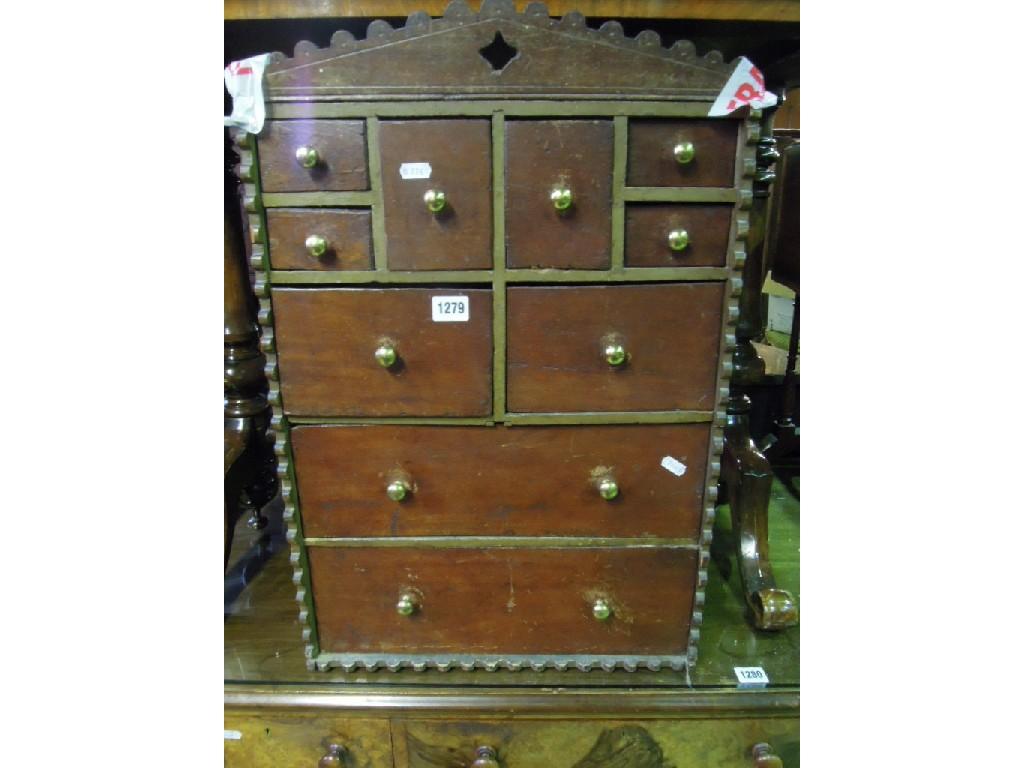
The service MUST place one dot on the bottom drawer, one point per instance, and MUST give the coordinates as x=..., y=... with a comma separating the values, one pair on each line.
x=710, y=743
x=289, y=740
x=503, y=601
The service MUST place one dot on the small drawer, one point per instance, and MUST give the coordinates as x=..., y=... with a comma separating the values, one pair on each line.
x=681, y=153
x=683, y=741
x=437, y=157
x=500, y=481
x=281, y=739
x=319, y=238
x=375, y=600
x=613, y=348
x=558, y=202
x=378, y=352
x=677, y=235
x=313, y=156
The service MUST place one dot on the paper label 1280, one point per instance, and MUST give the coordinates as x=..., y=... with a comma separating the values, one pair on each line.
x=449, y=309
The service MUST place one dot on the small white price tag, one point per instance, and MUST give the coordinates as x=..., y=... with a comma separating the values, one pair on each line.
x=673, y=465
x=750, y=677
x=449, y=309
x=232, y=735
x=414, y=170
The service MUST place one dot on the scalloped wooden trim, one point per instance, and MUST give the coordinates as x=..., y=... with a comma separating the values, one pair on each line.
x=352, y=662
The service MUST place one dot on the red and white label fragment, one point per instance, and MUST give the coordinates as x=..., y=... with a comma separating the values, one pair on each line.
x=244, y=81
x=745, y=88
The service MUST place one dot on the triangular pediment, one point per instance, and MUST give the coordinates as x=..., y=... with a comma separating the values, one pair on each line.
x=551, y=57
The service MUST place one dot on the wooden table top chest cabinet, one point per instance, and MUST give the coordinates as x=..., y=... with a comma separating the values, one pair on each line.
x=497, y=257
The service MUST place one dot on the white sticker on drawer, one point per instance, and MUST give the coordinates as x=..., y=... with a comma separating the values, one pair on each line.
x=449, y=309
x=414, y=170
x=675, y=466
x=750, y=677
x=232, y=735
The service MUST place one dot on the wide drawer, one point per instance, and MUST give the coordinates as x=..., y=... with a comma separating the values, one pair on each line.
x=500, y=481
x=613, y=348
x=708, y=153
x=378, y=352
x=319, y=238
x=272, y=739
x=666, y=235
x=589, y=743
x=313, y=156
x=480, y=601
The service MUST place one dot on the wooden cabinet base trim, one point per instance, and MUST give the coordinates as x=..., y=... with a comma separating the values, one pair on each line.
x=419, y=662
x=501, y=542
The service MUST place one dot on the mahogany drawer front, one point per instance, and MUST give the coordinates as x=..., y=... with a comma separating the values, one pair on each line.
x=541, y=155
x=503, y=601
x=653, y=229
x=328, y=339
x=320, y=238
x=651, y=161
x=340, y=147
x=459, y=236
x=592, y=743
x=278, y=739
x=500, y=481
x=557, y=338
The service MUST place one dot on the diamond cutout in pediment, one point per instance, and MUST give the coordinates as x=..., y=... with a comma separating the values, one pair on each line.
x=498, y=53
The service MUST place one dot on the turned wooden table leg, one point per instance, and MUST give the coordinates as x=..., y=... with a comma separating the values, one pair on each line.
x=747, y=477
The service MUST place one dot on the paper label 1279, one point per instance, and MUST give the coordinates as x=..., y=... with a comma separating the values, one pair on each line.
x=449, y=309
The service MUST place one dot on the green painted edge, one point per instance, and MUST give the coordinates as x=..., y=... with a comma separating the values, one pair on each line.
x=680, y=195
x=503, y=542
x=610, y=417
x=318, y=199
x=434, y=278
x=380, y=241
x=498, y=342
x=477, y=108
x=620, y=131
x=440, y=421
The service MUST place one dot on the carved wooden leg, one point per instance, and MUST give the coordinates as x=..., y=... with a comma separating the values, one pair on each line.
x=747, y=476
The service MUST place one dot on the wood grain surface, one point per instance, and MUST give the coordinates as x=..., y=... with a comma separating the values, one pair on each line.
x=500, y=481
x=539, y=155
x=492, y=601
x=347, y=231
x=459, y=154
x=326, y=338
x=282, y=739
x=648, y=225
x=651, y=162
x=341, y=145
x=556, y=343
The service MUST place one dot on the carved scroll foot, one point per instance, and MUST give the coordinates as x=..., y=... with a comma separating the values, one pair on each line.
x=747, y=476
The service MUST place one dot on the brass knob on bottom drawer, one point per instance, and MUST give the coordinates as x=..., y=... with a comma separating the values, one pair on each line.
x=386, y=354
x=608, y=488
x=601, y=609
x=561, y=197
x=486, y=757
x=316, y=245
x=334, y=758
x=435, y=199
x=307, y=157
x=765, y=757
x=615, y=354
x=398, y=490
x=678, y=239
x=684, y=152
x=407, y=604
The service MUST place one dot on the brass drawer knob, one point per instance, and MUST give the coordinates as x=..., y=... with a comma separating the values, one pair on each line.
x=407, y=604
x=684, y=152
x=678, y=239
x=765, y=757
x=334, y=757
x=316, y=245
x=615, y=354
x=486, y=757
x=561, y=197
x=307, y=157
x=608, y=488
x=398, y=490
x=386, y=354
x=602, y=610
x=435, y=199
